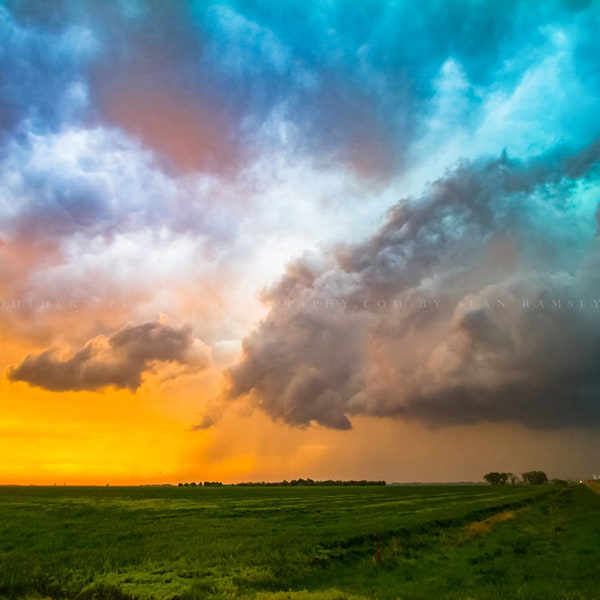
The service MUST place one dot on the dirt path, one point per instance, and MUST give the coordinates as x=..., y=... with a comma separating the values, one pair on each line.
x=595, y=487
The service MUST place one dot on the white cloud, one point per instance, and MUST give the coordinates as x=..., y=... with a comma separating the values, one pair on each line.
x=536, y=102
x=245, y=47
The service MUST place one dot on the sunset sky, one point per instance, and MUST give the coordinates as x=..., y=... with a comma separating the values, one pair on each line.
x=257, y=240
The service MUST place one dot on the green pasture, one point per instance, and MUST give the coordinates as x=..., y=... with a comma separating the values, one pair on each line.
x=319, y=543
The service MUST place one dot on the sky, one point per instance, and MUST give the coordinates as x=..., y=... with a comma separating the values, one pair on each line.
x=255, y=241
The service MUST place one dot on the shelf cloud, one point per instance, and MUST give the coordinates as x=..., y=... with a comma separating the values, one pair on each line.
x=475, y=302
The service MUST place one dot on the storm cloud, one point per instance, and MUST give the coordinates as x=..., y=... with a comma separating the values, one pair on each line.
x=118, y=360
x=477, y=301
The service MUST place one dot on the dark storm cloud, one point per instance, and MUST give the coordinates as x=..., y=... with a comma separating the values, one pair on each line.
x=303, y=367
x=475, y=302
x=118, y=360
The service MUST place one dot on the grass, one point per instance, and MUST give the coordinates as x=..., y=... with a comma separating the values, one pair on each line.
x=141, y=543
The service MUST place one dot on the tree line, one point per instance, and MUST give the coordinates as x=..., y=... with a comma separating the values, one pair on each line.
x=200, y=484
x=530, y=477
x=311, y=482
x=285, y=482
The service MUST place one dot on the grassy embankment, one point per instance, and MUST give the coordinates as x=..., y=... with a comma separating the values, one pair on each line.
x=320, y=543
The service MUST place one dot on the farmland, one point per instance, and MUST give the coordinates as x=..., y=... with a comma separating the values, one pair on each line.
x=321, y=543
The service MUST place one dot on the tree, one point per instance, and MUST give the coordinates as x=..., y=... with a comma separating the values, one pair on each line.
x=500, y=478
x=496, y=478
x=493, y=478
x=535, y=477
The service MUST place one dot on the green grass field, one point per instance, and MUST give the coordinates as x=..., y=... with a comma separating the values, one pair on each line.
x=300, y=543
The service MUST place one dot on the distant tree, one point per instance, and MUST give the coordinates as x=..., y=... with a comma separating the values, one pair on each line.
x=560, y=482
x=492, y=478
x=495, y=478
x=535, y=477
x=513, y=478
